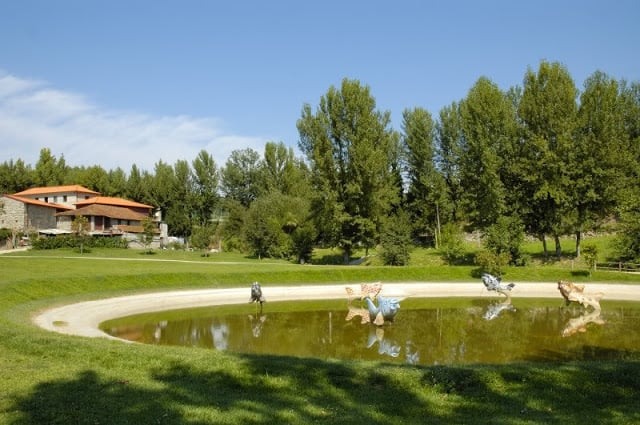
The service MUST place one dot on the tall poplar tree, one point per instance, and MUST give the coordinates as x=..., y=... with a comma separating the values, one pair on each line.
x=350, y=148
x=205, y=187
x=179, y=217
x=547, y=111
x=600, y=154
x=135, y=188
x=240, y=176
x=426, y=193
x=49, y=171
x=280, y=171
x=488, y=128
x=449, y=148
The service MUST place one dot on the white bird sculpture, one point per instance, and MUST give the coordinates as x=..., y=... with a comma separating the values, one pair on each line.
x=493, y=283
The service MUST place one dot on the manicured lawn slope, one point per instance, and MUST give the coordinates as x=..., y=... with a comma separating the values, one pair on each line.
x=46, y=378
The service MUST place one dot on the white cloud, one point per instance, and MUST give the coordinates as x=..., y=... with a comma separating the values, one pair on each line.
x=35, y=116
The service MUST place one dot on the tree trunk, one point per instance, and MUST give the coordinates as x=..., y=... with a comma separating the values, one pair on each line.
x=578, y=240
x=558, y=247
x=545, y=250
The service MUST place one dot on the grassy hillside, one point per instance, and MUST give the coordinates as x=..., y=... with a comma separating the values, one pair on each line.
x=46, y=378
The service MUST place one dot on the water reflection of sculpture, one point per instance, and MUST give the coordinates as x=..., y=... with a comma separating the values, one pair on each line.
x=257, y=322
x=385, y=346
x=495, y=309
x=579, y=324
x=493, y=283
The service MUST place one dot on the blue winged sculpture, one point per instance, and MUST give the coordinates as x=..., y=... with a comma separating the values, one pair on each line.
x=493, y=283
x=386, y=309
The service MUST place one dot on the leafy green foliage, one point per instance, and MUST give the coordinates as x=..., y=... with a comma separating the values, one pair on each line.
x=275, y=223
x=505, y=236
x=202, y=238
x=561, y=166
x=492, y=262
x=627, y=242
x=488, y=127
x=80, y=229
x=396, y=240
x=426, y=194
x=451, y=243
x=70, y=241
x=590, y=256
x=149, y=229
x=350, y=149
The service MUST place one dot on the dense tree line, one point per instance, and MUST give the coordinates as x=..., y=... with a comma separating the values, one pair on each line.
x=544, y=159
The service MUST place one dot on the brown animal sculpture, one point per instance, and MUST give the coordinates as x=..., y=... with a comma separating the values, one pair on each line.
x=575, y=293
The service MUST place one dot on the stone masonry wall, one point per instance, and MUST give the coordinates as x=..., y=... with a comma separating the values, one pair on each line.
x=41, y=217
x=13, y=215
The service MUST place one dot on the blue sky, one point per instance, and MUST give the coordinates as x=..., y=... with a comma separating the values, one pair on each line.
x=116, y=82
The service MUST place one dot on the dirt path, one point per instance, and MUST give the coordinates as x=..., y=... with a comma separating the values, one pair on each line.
x=84, y=318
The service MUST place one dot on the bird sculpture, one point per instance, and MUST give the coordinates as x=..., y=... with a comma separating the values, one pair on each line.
x=256, y=294
x=493, y=283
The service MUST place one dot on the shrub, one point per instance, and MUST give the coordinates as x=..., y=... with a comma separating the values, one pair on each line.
x=396, y=240
x=451, y=243
x=590, y=256
x=505, y=236
x=69, y=241
x=491, y=262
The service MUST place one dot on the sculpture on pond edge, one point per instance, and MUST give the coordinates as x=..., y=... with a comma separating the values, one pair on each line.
x=256, y=294
x=367, y=290
x=493, y=283
x=386, y=309
x=572, y=292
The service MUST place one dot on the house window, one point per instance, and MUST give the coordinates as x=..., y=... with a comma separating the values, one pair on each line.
x=64, y=198
x=55, y=199
x=46, y=199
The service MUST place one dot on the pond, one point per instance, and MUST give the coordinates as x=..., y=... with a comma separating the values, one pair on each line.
x=426, y=331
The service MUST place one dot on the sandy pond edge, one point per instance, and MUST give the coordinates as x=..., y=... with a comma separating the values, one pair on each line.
x=84, y=318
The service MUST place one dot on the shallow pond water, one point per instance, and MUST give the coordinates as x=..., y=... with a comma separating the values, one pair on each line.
x=426, y=331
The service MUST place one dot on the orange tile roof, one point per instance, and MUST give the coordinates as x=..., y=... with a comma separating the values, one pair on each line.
x=56, y=189
x=105, y=211
x=108, y=200
x=39, y=203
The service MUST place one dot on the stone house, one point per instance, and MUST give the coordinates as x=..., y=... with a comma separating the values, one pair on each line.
x=28, y=214
x=51, y=210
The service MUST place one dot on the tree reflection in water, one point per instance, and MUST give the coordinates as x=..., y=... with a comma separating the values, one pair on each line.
x=435, y=331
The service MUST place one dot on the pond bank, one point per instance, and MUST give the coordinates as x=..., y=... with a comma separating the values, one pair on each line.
x=84, y=318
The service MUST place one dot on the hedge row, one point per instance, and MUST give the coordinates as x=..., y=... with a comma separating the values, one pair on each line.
x=71, y=241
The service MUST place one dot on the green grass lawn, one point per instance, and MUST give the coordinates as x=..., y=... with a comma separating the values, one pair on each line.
x=47, y=378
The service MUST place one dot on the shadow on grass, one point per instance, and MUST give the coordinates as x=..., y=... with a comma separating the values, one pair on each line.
x=268, y=390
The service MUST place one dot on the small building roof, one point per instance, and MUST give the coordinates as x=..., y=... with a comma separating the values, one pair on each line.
x=110, y=211
x=56, y=189
x=108, y=200
x=38, y=203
